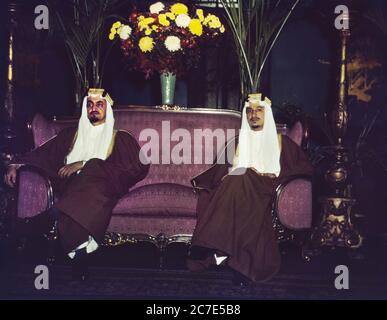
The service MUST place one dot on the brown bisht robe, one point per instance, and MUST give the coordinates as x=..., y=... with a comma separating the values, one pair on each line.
x=88, y=198
x=234, y=213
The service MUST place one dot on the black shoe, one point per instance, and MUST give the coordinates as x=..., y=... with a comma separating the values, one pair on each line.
x=199, y=258
x=199, y=265
x=80, y=266
x=241, y=280
x=200, y=253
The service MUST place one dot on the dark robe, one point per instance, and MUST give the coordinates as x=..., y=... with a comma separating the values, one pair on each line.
x=234, y=213
x=86, y=199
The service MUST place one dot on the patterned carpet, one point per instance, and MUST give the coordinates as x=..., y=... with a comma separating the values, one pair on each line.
x=132, y=273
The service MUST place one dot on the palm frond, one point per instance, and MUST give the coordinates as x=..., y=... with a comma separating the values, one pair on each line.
x=277, y=33
x=256, y=26
x=235, y=21
x=82, y=27
x=378, y=18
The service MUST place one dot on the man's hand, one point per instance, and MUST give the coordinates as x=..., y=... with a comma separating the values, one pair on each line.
x=10, y=176
x=270, y=175
x=69, y=169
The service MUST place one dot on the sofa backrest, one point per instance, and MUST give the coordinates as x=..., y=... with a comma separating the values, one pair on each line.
x=168, y=129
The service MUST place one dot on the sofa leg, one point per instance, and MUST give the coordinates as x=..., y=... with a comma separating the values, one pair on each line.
x=309, y=248
x=51, y=253
x=162, y=243
x=162, y=252
x=51, y=237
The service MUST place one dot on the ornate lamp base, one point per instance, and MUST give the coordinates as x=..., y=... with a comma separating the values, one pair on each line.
x=336, y=228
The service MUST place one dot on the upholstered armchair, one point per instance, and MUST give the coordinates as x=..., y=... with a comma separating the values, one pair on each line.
x=162, y=208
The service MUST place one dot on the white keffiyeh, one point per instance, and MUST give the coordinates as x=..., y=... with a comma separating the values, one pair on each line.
x=259, y=149
x=92, y=141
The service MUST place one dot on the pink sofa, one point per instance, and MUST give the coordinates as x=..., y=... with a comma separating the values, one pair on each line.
x=161, y=208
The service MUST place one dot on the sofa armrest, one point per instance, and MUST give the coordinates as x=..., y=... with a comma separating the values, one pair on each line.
x=34, y=192
x=300, y=133
x=305, y=122
x=293, y=202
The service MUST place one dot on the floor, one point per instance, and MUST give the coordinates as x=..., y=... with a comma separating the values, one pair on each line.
x=132, y=272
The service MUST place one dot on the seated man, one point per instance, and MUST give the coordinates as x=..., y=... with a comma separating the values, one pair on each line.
x=234, y=206
x=91, y=166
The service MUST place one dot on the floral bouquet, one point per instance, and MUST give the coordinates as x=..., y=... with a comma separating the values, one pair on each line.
x=166, y=39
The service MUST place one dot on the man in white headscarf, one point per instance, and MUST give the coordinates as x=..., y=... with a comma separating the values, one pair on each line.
x=95, y=128
x=91, y=166
x=234, y=207
x=259, y=144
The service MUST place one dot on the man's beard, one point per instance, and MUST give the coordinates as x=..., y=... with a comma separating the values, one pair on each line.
x=93, y=118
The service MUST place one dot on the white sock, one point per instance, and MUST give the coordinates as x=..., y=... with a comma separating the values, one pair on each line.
x=90, y=245
x=219, y=259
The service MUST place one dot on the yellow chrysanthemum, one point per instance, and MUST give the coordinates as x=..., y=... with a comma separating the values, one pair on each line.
x=222, y=29
x=144, y=23
x=116, y=24
x=140, y=18
x=170, y=16
x=148, y=31
x=179, y=8
x=111, y=36
x=196, y=27
x=142, y=26
x=214, y=22
x=207, y=19
x=149, y=20
x=113, y=30
x=163, y=20
x=155, y=28
x=146, y=44
x=214, y=25
x=200, y=14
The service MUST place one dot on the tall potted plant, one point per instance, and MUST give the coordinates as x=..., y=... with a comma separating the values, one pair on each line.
x=256, y=26
x=83, y=32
